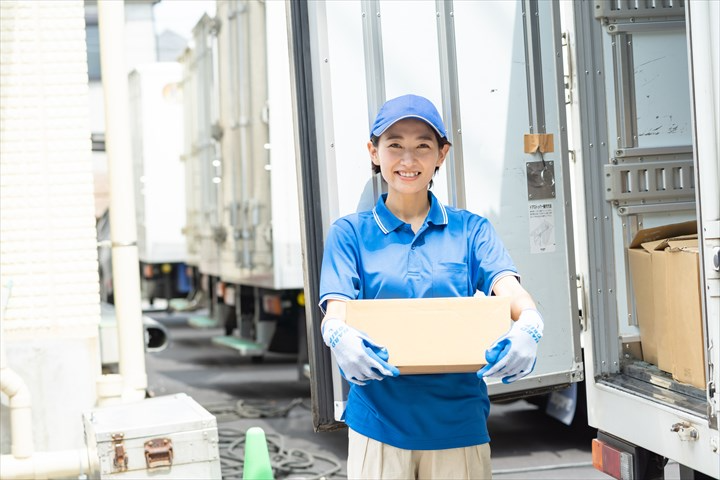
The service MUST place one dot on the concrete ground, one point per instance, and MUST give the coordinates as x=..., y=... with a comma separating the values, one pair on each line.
x=526, y=444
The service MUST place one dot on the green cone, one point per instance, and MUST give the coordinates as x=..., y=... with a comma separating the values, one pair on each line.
x=257, y=459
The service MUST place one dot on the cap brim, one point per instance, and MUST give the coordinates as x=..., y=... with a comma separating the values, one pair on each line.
x=383, y=128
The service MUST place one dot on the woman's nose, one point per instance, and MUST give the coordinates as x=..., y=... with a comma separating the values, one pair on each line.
x=407, y=157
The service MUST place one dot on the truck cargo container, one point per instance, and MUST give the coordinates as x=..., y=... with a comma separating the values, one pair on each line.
x=243, y=225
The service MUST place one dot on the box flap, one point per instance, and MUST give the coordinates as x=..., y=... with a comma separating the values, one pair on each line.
x=688, y=243
x=656, y=245
x=662, y=232
x=433, y=335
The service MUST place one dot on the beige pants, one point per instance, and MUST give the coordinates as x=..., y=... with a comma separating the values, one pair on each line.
x=372, y=460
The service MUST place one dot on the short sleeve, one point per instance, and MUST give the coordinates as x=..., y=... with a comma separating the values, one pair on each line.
x=339, y=275
x=490, y=259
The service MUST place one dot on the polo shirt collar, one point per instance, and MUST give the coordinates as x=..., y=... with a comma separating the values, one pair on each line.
x=388, y=222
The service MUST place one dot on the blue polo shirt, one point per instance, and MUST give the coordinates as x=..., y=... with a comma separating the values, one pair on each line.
x=373, y=254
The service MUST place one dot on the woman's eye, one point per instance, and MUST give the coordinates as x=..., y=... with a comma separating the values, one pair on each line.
x=394, y=145
x=423, y=145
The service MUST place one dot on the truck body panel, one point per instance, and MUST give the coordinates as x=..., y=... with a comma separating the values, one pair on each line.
x=157, y=112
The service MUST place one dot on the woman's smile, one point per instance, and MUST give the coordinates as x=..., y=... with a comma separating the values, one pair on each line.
x=409, y=175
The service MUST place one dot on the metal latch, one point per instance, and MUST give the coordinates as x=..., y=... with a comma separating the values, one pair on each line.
x=158, y=452
x=685, y=431
x=540, y=180
x=120, y=461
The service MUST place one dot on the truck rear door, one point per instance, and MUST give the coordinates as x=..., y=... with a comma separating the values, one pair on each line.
x=495, y=70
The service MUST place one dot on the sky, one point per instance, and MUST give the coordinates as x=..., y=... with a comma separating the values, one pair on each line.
x=181, y=16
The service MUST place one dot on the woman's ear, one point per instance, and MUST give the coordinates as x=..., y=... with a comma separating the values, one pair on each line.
x=372, y=149
x=443, y=153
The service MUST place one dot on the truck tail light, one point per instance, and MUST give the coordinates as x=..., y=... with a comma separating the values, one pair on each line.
x=610, y=460
x=148, y=271
x=272, y=304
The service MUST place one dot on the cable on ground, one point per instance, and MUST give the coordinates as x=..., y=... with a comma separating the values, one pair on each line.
x=255, y=409
x=286, y=463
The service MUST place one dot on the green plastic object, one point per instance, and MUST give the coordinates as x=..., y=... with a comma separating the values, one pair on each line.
x=256, y=465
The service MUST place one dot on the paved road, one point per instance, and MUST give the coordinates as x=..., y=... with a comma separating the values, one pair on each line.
x=526, y=444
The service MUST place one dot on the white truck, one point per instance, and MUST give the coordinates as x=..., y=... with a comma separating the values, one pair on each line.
x=156, y=107
x=242, y=224
x=576, y=127
x=157, y=123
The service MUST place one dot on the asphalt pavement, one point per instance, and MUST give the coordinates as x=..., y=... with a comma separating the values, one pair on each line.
x=274, y=395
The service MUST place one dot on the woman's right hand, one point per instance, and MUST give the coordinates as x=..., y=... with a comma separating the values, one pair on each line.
x=359, y=358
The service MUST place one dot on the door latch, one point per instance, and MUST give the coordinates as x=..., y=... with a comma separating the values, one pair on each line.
x=120, y=460
x=685, y=431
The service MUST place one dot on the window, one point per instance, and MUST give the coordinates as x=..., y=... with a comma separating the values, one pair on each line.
x=92, y=39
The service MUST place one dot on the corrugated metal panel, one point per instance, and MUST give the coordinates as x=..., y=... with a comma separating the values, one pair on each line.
x=625, y=9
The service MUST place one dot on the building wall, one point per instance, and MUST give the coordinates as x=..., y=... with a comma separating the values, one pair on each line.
x=47, y=221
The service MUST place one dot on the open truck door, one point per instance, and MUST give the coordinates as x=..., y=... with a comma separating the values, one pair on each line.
x=495, y=70
x=645, y=123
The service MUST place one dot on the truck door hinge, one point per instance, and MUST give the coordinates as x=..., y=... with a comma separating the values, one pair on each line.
x=567, y=67
x=582, y=313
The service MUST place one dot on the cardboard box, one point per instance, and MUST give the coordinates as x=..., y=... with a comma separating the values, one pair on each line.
x=433, y=335
x=667, y=299
x=685, y=312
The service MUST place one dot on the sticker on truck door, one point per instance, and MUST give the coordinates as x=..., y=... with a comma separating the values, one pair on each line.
x=542, y=227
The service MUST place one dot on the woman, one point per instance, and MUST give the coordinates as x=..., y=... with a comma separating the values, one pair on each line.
x=411, y=246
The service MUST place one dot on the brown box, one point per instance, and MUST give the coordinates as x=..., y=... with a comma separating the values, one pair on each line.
x=685, y=311
x=667, y=299
x=433, y=335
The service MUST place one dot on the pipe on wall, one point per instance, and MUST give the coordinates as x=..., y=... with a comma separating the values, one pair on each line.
x=61, y=464
x=23, y=462
x=123, y=228
x=12, y=385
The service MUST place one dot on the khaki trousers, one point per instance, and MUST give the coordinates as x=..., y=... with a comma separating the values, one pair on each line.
x=372, y=460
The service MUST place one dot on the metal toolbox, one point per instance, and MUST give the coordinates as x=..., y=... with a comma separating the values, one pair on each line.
x=162, y=437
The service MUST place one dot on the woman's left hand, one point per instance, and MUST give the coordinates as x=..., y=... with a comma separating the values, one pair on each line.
x=513, y=355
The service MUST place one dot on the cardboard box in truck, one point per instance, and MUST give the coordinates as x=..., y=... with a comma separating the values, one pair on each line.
x=433, y=335
x=667, y=299
x=685, y=312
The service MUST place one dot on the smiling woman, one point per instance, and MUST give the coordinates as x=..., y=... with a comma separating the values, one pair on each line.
x=411, y=246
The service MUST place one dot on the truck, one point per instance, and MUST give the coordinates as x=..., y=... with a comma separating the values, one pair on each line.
x=242, y=218
x=587, y=132
x=156, y=108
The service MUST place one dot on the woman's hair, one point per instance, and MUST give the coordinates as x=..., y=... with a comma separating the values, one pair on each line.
x=442, y=141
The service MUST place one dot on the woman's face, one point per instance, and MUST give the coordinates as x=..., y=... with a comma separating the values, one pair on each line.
x=408, y=154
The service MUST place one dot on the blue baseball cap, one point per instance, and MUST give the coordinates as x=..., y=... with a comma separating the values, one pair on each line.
x=407, y=106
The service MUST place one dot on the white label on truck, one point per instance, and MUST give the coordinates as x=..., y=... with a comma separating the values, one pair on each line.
x=542, y=227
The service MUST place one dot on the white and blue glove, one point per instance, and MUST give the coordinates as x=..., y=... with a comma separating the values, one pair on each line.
x=359, y=358
x=513, y=355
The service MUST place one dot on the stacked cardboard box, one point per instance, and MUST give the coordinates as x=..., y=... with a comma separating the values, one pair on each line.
x=664, y=266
